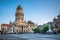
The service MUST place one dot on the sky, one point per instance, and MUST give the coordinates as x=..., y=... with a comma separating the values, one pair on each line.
x=38, y=11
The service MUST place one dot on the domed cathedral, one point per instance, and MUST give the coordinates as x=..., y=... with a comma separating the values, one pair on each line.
x=20, y=25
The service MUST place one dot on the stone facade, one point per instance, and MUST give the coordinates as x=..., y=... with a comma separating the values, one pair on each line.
x=20, y=25
x=57, y=23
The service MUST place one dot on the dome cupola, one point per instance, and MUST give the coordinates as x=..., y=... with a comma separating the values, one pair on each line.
x=19, y=7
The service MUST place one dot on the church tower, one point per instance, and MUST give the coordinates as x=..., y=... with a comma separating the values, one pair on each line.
x=19, y=16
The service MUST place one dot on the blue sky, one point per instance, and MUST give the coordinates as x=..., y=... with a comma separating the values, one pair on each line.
x=38, y=11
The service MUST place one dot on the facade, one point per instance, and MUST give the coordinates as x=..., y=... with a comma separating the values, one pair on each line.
x=57, y=23
x=5, y=27
x=20, y=25
x=0, y=27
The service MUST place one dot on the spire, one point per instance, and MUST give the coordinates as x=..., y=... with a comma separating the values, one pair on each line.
x=19, y=7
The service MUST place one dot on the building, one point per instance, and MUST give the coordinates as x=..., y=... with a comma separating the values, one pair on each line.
x=57, y=23
x=20, y=25
x=0, y=27
x=5, y=27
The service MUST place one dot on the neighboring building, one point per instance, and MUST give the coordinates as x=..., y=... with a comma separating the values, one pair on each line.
x=31, y=26
x=0, y=27
x=57, y=23
x=20, y=25
x=5, y=27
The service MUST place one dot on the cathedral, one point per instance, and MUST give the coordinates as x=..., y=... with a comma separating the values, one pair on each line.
x=20, y=25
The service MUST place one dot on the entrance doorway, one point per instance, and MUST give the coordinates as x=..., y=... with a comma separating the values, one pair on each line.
x=22, y=29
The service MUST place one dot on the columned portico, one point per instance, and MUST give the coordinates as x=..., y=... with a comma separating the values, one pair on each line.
x=21, y=29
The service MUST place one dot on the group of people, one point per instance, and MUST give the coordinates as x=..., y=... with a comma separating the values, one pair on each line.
x=1, y=32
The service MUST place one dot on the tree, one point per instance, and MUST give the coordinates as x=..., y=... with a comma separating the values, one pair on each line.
x=51, y=27
x=45, y=28
x=36, y=30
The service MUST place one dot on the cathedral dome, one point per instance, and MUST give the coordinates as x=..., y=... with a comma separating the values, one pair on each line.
x=19, y=7
x=19, y=11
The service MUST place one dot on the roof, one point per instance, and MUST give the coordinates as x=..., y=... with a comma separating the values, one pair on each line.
x=19, y=7
x=58, y=15
x=21, y=23
x=30, y=22
x=5, y=25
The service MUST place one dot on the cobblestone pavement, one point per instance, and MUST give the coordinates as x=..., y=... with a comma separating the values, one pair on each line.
x=9, y=37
